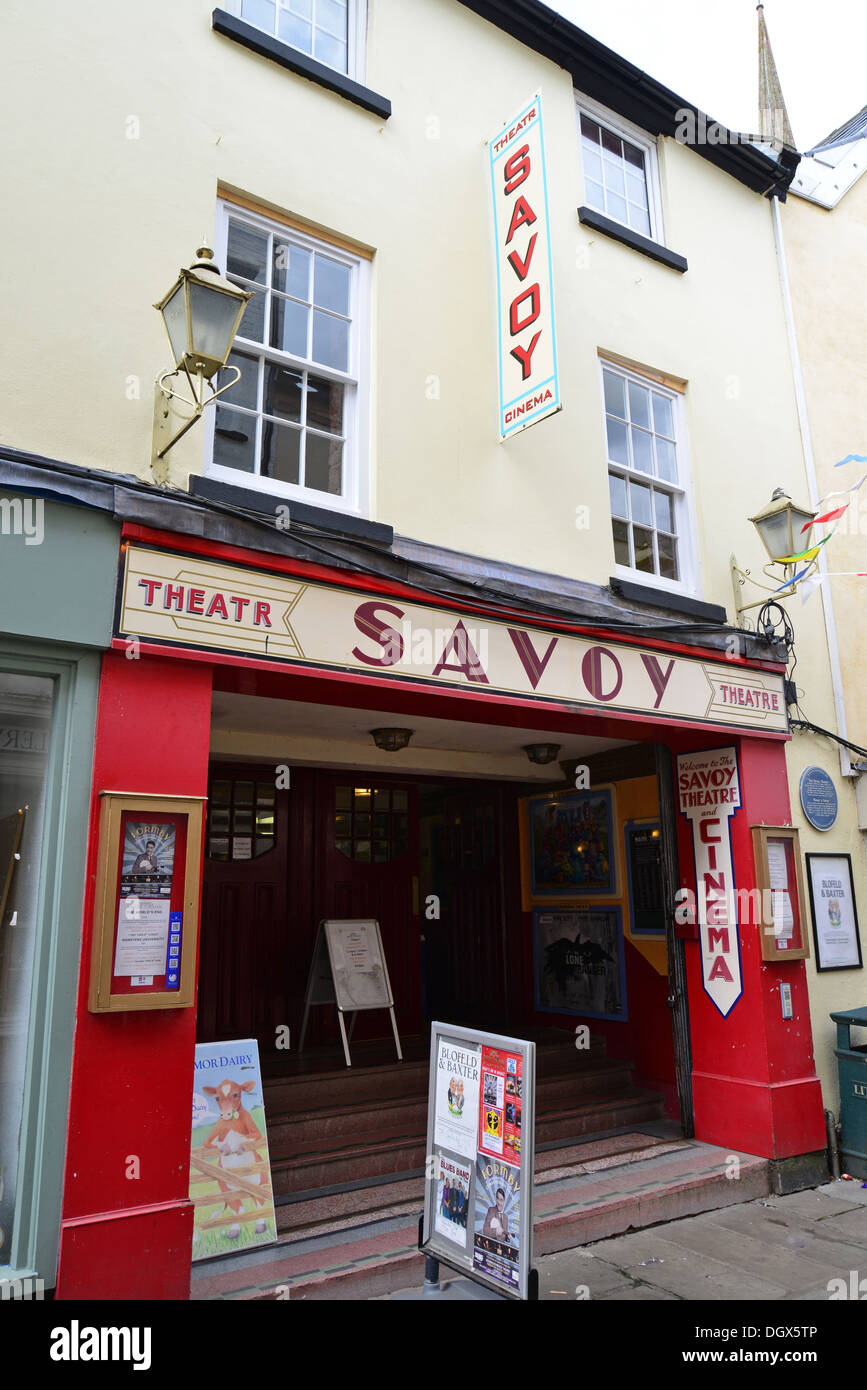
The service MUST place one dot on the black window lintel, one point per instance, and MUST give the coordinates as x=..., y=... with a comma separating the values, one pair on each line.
x=296, y=61
x=591, y=218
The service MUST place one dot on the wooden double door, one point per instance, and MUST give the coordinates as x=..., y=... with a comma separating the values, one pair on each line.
x=280, y=859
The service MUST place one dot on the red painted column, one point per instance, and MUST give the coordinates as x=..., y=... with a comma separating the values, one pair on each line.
x=125, y=1237
x=754, y=1080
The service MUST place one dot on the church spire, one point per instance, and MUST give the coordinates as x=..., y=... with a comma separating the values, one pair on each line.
x=773, y=117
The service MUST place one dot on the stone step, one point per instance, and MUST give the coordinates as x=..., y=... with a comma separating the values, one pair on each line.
x=383, y=1256
x=289, y=1094
x=292, y=1131
x=309, y=1214
x=286, y=1092
x=370, y=1154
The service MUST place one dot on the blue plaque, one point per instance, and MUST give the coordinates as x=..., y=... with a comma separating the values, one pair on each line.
x=818, y=798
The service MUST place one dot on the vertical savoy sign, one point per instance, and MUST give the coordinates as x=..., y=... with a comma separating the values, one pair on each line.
x=529, y=386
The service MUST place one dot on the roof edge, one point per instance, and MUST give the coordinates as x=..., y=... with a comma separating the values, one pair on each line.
x=615, y=82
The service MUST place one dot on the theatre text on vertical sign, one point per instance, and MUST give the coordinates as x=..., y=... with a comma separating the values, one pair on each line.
x=529, y=385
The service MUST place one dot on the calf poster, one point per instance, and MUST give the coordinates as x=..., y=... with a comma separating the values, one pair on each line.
x=230, y=1171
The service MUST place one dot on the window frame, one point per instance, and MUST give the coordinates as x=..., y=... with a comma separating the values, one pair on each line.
x=619, y=126
x=682, y=491
x=355, y=497
x=356, y=38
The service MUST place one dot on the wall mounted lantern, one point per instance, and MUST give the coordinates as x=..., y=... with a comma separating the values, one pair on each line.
x=202, y=313
x=784, y=528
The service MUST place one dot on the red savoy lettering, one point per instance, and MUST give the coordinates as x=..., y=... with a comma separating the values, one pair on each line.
x=516, y=168
x=369, y=623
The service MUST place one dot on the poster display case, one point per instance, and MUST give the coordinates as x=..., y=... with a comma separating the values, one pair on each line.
x=478, y=1213
x=143, y=952
x=782, y=920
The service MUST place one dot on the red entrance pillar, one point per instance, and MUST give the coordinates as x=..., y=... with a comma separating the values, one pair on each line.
x=126, y=1228
x=754, y=1081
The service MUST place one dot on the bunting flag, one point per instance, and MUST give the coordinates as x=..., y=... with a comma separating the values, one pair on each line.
x=824, y=517
x=836, y=512
x=809, y=554
x=811, y=584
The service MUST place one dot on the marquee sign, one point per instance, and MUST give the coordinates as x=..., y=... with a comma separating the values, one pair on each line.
x=529, y=385
x=193, y=601
x=709, y=794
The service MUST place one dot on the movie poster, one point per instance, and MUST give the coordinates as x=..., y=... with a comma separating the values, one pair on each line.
x=144, y=905
x=148, y=860
x=230, y=1170
x=452, y=1199
x=457, y=1097
x=500, y=1106
x=497, y=1217
x=571, y=849
x=579, y=962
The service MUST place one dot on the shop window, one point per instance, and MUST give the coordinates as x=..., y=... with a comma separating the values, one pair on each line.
x=293, y=423
x=620, y=167
x=26, y=704
x=650, y=505
x=371, y=824
x=242, y=819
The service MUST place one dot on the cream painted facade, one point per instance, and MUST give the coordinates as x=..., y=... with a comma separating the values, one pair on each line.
x=116, y=179
x=826, y=253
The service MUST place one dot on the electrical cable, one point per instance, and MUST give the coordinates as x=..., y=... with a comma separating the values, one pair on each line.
x=301, y=533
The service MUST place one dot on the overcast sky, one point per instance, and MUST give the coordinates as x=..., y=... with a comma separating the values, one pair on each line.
x=707, y=52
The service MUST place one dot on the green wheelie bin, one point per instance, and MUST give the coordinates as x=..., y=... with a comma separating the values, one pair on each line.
x=852, y=1065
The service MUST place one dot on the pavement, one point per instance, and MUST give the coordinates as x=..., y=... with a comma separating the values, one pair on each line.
x=773, y=1249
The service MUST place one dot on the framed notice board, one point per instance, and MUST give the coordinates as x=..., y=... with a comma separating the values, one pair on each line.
x=782, y=929
x=644, y=876
x=478, y=1211
x=835, y=914
x=143, y=954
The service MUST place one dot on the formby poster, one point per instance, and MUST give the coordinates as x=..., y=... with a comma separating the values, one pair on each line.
x=230, y=1170
x=497, y=1220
